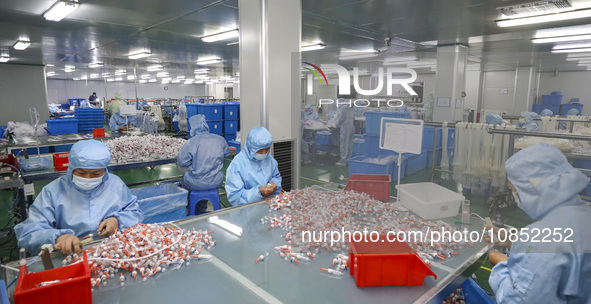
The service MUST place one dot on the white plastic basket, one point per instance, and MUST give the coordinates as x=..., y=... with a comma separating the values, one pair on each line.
x=430, y=201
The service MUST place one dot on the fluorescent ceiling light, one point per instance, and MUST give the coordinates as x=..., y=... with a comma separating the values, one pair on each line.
x=232, y=228
x=119, y=79
x=146, y=76
x=50, y=73
x=199, y=82
x=563, y=31
x=359, y=55
x=93, y=76
x=312, y=47
x=571, y=46
x=70, y=68
x=50, y=65
x=188, y=81
x=582, y=50
x=176, y=81
x=143, y=81
x=573, y=57
x=120, y=72
x=162, y=74
x=154, y=68
x=105, y=75
x=201, y=71
x=152, y=80
x=21, y=45
x=221, y=36
x=84, y=77
x=60, y=9
x=583, y=64
x=181, y=77
x=545, y=18
x=209, y=61
x=95, y=65
x=139, y=55
x=165, y=81
x=225, y=77
x=110, y=79
x=561, y=39
x=209, y=82
x=130, y=77
x=232, y=43
x=76, y=78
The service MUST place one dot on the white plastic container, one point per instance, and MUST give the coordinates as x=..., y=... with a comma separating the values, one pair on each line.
x=430, y=201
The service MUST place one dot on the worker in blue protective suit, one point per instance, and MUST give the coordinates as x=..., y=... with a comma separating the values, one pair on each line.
x=546, y=113
x=87, y=200
x=345, y=121
x=309, y=113
x=305, y=147
x=526, y=121
x=203, y=157
x=121, y=123
x=85, y=104
x=253, y=174
x=547, y=188
x=402, y=109
x=571, y=112
x=494, y=119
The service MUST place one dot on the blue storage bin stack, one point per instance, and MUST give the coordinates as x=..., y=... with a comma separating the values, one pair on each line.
x=369, y=165
x=231, y=111
x=566, y=107
x=214, y=114
x=235, y=144
x=63, y=126
x=191, y=109
x=358, y=146
x=2, y=129
x=324, y=141
x=89, y=119
x=74, y=101
x=551, y=102
x=536, y=108
x=373, y=120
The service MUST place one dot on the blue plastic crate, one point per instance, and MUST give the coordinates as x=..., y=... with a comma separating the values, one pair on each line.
x=358, y=146
x=566, y=107
x=31, y=151
x=359, y=165
x=372, y=146
x=551, y=100
x=89, y=111
x=211, y=111
x=231, y=110
x=235, y=144
x=474, y=294
x=2, y=129
x=230, y=137
x=216, y=127
x=192, y=110
x=64, y=106
x=62, y=148
x=536, y=108
x=162, y=203
x=324, y=138
x=582, y=163
x=74, y=102
x=414, y=163
x=429, y=157
x=34, y=164
x=175, y=125
x=373, y=120
x=428, y=133
x=230, y=126
x=64, y=126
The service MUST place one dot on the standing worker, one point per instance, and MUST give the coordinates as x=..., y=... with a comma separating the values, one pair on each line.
x=93, y=99
x=87, y=200
x=526, y=121
x=119, y=123
x=346, y=121
x=114, y=105
x=309, y=113
x=253, y=174
x=203, y=157
x=547, y=188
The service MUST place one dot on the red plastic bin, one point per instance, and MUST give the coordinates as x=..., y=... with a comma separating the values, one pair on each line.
x=61, y=161
x=74, y=286
x=8, y=159
x=386, y=263
x=98, y=133
x=376, y=185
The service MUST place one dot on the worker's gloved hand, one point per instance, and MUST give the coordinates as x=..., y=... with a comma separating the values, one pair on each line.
x=273, y=186
x=68, y=243
x=108, y=226
x=499, y=234
x=495, y=257
x=266, y=190
x=123, y=128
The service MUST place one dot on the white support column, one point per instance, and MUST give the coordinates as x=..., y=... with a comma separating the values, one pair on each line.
x=450, y=82
x=524, y=84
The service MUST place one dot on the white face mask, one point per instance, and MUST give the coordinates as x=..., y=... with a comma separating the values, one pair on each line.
x=260, y=156
x=87, y=183
x=516, y=197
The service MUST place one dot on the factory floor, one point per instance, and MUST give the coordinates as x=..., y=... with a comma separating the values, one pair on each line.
x=322, y=170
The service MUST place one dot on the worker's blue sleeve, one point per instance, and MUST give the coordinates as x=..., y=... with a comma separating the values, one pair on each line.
x=185, y=157
x=276, y=178
x=114, y=123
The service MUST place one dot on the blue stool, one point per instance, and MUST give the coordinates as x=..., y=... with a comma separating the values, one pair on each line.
x=207, y=195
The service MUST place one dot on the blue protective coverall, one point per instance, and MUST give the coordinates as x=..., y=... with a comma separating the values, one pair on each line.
x=85, y=104
x=203, y=155
x=117, y=121
x=529, y=124
x=309, y=113
x=346, y=121
x=246, y=175
x=63, y=208
x=547, y=272
x=494, y=119
x=571, y=112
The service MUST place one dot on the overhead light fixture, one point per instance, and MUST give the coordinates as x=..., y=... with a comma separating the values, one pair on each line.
x=357, y=55
x=21, y=45
x=233, y=43
x=60, y=9
x=232, y=228
x=225, y=77
x=146, y=76
x=119, y=79
x=312, y=47
x=545, y=18
x=142, y=81
x=152, y=80
x=139, y=55
x=201, y=71
x=176, y=81
x=110, y=79
x=49, y=74
x=50, y=65
x=76, y=78
x=120, y=72
x=581, y=50
x=154, y=68
x=209, y=82
x=562, y=34
x=561, y=39
x=221, y=36
x=162, y=74
x=209, y=61
x=180, y=77
x=199, y=82
x=572, y=57
x=70, y=68
x=83, y=77
x=189, y=81
x=94, y=76
x=130, y=77
x=105, y=75
x=95, y=65
x=237, y=73
x=571, y=46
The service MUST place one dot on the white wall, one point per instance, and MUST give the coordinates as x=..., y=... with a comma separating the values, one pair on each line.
x=498, y=91
x=571, y=84
x=21, y=87
x=472, y=90
x=429, y=83
x=59, y=91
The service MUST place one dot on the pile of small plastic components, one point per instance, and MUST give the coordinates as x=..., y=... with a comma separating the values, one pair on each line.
x=144, y=250
x=126, y=149
x=304, y=211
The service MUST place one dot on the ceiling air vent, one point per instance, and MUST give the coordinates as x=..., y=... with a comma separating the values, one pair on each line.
x=525, y=9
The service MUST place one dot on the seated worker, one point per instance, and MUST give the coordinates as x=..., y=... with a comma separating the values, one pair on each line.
x=253, y=174
x=121, y=123
x=546, y=113
x=572, y=112
x=526, y=121
x=309, y=113
x=494, y=119
x=203, y=157
x=547, y=188
x=86, y=200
